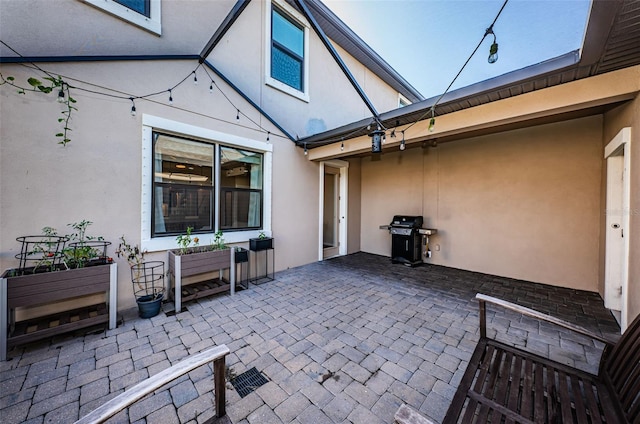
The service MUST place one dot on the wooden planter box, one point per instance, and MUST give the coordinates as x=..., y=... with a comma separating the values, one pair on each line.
x=181, y=266
x=49, y=287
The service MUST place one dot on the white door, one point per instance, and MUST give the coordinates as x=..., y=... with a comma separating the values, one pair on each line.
x=331, y=211
x=617, y=226
x=332, y=231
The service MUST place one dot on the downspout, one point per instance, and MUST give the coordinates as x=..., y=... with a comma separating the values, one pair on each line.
x=301, y=4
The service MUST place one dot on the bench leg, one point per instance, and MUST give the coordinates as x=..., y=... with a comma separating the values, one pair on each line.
x=219, y=386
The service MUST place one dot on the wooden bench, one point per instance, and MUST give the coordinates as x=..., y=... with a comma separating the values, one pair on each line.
x=503, y=384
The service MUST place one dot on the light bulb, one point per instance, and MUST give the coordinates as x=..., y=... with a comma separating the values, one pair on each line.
x=211, y=87
x=402, y=145
x=133, y=110
x=170, y=98
x=342, y=147
x=493, y=53
x=237, y=113
x=61, y=96
x=195, y=78
x=305, y=150
x=432, y=124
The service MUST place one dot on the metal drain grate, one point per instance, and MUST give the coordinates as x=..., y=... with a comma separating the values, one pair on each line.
x=248, y=381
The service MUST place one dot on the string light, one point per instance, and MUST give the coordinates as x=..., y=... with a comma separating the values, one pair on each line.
x=305, y=149
x=493, y=50
x=268, y=134
x=195, y=78
x=432, y=121
x=402, y=143
x=493, y=57
x=342, y=145
x=65, y=86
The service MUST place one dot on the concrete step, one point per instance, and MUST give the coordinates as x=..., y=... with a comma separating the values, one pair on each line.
x=407, y=415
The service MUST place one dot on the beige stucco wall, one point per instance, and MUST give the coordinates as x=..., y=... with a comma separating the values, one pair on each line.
x=354, y=207
x=628, y=115
x=98, y=175
x=75, y=28
x=332, y=99
x=523, y=204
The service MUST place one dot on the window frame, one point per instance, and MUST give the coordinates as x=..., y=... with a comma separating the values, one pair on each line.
x=297, y=19
x=152, y=23
x=151, y=124
x=403, y=101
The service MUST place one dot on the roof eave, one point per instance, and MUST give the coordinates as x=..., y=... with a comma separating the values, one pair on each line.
x=410, y=113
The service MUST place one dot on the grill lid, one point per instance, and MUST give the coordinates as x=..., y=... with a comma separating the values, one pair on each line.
x=405, y=221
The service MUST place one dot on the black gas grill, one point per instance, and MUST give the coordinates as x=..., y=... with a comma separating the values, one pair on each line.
x=406, y=239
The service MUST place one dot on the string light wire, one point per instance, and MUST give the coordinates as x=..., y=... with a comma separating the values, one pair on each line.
x=147, y=97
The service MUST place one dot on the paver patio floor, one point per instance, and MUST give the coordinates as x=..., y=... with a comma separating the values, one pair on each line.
x=344, y=340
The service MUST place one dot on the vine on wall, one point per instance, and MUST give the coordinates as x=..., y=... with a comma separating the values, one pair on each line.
x=51, y=85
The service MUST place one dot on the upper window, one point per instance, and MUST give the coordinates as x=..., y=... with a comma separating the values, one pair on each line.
x=143, y=13
x=287, y=62
x=184, y=187
x=403, y=101
x=287, y=50
x=143, y=7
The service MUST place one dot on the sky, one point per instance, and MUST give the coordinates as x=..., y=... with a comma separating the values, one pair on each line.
x=428, y=41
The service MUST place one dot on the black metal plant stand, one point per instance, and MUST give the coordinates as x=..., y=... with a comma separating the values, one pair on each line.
x=257, y=246
x=242, y=260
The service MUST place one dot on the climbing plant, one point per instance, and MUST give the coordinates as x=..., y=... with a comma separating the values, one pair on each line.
x=51, y=84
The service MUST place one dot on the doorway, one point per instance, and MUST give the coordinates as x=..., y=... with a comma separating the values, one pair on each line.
x=617, y=155
x=333, y=211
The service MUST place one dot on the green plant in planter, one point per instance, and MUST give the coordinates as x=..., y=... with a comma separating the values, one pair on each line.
x=184, y=241
x=133, y=254
x=82, y=248
x=262, y=235
x=47, y=250
x=218, y=241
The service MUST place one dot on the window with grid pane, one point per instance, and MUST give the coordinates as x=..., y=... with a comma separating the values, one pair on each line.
x=287, y=50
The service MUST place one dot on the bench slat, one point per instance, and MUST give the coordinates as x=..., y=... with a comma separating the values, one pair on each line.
x=512, y=386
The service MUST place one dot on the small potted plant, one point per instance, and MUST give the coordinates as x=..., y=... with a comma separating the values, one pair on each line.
x=262, y=242
x=147, y=278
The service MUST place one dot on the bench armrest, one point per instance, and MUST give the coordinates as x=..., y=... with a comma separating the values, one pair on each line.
x=483, y=299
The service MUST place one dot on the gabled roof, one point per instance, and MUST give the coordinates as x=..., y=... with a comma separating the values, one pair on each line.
x=611, y=42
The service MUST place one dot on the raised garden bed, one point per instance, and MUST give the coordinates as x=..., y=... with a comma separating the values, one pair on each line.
x=182, y=266
x=30, y=290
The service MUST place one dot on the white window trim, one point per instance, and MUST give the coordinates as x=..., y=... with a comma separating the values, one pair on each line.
x=152, y=24
x=153, y=123
x=272, y=82
x=403, y=99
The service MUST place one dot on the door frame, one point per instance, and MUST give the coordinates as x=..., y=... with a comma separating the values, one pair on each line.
x=343, y=166
x=620, y=145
